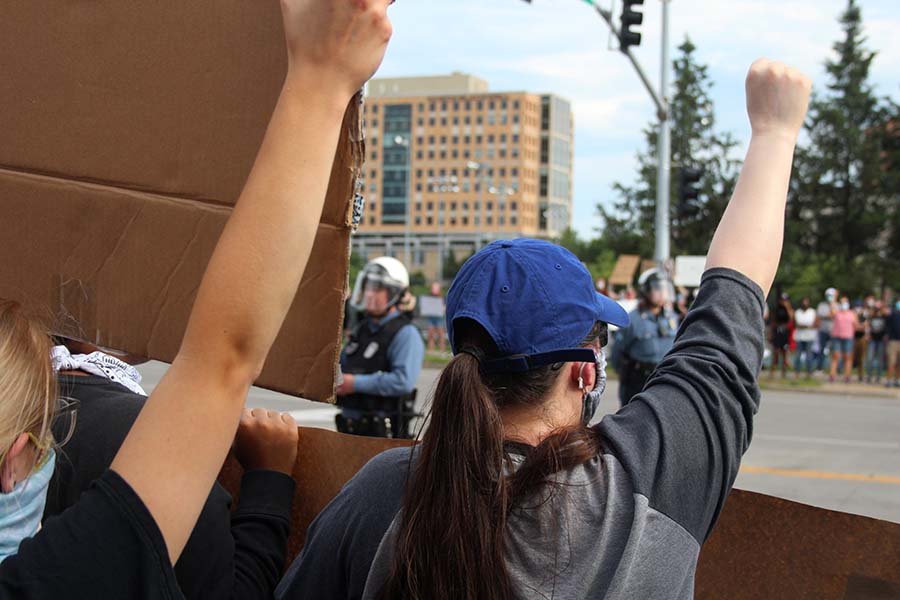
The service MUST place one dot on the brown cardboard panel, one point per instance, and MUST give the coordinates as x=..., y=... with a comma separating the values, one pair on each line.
x=127, y=132
x=762, y=547
x=166, y=96
x=121, y=269
x=623, y=272
x=766, y=547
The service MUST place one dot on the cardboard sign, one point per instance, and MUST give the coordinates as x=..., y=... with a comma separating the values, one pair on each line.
x=127, y=131
x=761, y=547
x=689, y=270
x=431, y=306
x=623, y=272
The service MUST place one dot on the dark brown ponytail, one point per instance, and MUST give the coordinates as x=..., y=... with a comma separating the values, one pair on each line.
x=451, y=543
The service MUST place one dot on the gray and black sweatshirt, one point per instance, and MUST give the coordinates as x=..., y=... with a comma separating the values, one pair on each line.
x=630, y=522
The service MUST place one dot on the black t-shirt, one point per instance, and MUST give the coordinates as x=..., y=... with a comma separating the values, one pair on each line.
x=106, y=546
x=238, y=555
x=782, y=316
x=893, y=325
x=877, y=328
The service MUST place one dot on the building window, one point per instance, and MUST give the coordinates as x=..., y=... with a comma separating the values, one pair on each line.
x=454, y=154
x=516, y=119
x=418, y=220
x=375, y=109
x=492, y=105
x=479, y=120
x=490, y=138
x=502, y=153
x=465, y=154
x=465, y=220
x=515, y=105
x=512, y=205
x=444, y=121
x=453, y=206
x=489, y=220
x=456, y=120
x=429, y=220
x=545, y=150
x=419, y=155
x=543, y=191
x=454, y=139
x=374, y=155
x=480, y=105
x=455, y=105
x=514, y=172
x=431, y=206
x=431, y=155
x=492, y=119
x=467, y=120
x=512, y=220
x=421, y=107
x=443, y=154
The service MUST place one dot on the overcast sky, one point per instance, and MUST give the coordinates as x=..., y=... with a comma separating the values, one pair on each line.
x=562, y=46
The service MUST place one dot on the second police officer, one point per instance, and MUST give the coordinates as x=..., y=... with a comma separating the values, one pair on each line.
x=640, y=346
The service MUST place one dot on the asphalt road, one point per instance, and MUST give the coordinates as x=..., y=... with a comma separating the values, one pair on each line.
x=840, y=452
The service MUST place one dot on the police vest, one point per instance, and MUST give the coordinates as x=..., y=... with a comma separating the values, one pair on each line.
x=367, y=352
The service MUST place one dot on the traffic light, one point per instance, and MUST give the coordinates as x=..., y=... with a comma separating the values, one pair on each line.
x=630, y=18
x=689, y=184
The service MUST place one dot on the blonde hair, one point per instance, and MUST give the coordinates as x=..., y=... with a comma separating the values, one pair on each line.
x=28, y=387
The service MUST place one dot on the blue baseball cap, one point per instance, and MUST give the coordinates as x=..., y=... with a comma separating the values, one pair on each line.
x=536, y=301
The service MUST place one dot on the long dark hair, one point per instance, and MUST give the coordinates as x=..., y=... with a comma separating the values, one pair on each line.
x=451, y=539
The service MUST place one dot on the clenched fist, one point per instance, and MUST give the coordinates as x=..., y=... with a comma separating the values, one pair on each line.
x=777, y=99
x=339, y=43
x=266, y=439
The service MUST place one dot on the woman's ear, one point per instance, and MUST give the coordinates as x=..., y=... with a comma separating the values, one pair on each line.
x=582, y=376
x=12, y=471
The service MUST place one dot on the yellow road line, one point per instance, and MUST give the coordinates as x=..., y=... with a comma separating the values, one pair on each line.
x=821, y=475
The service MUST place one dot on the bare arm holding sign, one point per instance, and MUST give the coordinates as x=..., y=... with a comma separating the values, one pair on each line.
x=176, y=447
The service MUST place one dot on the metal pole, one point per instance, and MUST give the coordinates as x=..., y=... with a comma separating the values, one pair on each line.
x=408, y=203
x=441, y=235
x=661, y=253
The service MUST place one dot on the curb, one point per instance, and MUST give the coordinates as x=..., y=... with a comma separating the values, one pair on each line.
x=831, y=390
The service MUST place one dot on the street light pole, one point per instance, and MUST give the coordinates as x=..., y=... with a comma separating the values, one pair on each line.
x=405, y=142
x=663, y=163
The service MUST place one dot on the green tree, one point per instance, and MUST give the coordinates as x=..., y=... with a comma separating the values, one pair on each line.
x=630, y=225
x=844, y=193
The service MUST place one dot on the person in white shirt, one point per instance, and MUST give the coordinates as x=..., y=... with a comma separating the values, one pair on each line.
x=825, y=311
x=806, y=324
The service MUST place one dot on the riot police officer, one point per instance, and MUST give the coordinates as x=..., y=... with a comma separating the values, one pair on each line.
x=650, y=334
x=382, y=359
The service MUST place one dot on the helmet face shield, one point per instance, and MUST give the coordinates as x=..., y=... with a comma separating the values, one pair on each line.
x=367, y=295
x=658, y=289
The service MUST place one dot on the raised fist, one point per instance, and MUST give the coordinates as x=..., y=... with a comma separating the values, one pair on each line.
x=777, y=99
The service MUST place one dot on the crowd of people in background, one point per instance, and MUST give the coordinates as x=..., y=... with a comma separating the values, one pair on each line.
x=837, y=337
